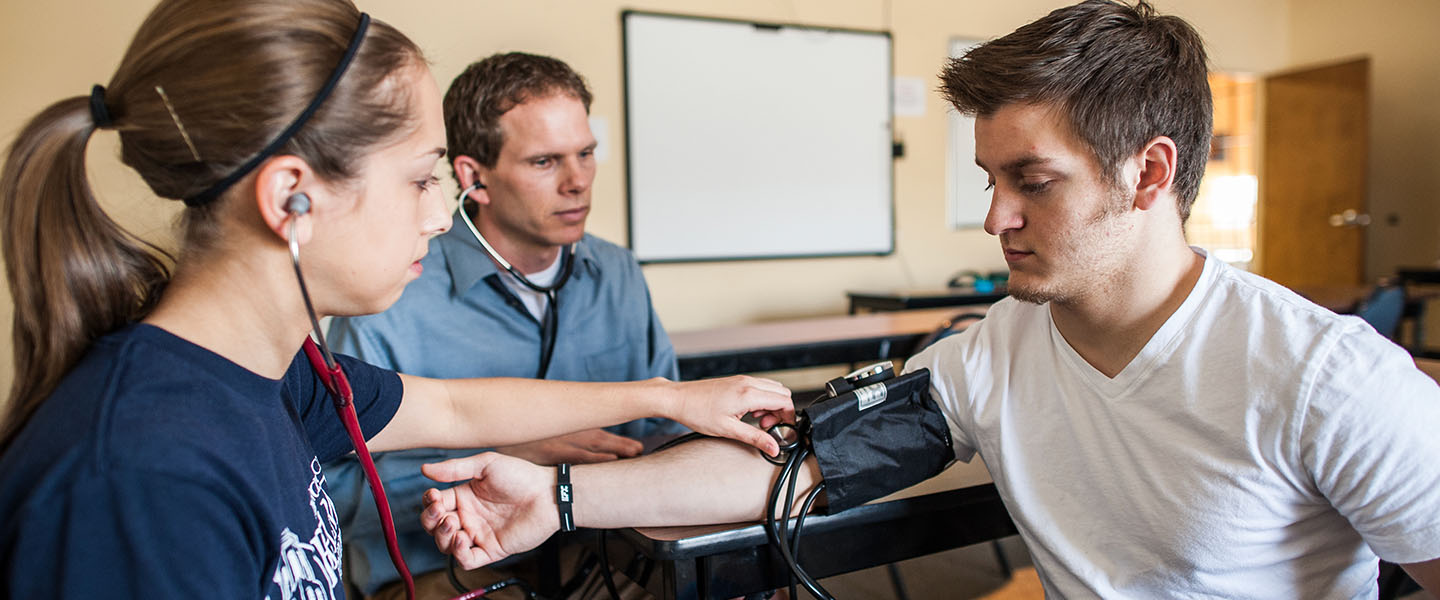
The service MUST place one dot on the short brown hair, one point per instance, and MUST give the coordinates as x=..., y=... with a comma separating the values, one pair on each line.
x=1121, y=74
x=491, y=87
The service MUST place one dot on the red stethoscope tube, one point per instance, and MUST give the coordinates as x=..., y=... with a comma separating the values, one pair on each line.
x=328, y=371
x=335, y=381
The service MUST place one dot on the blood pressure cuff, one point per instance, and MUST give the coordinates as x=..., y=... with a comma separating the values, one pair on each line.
x=877, y=439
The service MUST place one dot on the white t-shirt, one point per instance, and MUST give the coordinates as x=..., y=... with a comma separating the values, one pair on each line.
x=1259, y=446
x=534, y=301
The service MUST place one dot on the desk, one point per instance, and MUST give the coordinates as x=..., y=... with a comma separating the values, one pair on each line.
x=1418, y=275
x=806, y=342
x=957, y=508
x=907, y=299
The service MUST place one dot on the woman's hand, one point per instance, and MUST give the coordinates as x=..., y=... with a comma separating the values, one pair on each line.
x=714, y=407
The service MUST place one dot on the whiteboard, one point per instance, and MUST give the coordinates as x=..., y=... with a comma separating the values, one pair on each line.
x=966, y=198
x=750, y=141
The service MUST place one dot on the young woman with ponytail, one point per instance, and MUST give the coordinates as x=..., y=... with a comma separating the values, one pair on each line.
x=163, y=434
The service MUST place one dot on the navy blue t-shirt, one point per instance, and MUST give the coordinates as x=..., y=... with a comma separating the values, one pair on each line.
x=159, y=469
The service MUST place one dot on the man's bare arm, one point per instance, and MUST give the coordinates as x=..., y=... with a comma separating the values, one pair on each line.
x=508, y=505
x=1427, y=574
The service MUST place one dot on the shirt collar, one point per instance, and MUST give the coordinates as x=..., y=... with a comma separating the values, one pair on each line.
x=469, y=264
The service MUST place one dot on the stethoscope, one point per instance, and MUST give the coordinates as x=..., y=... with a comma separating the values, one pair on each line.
x=551, y=323
x=328, y=371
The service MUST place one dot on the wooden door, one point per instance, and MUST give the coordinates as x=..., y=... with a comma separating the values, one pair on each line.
x=1312, y=217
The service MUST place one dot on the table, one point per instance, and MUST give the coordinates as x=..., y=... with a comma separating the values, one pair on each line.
x=957, y=508
x=1430, y=366
x=906, y=299
x=1418, y=275
x=807, y=342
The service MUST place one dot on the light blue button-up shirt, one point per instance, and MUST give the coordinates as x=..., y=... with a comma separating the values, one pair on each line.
x=459, y=320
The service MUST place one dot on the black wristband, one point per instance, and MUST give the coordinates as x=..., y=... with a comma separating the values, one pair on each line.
x=564, y=497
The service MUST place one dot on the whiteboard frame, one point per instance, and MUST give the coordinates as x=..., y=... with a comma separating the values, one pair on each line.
x=966, y=201
x=630, y=164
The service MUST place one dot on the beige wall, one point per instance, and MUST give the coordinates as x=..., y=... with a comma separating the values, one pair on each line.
x=58, y=48
x=1404, y=187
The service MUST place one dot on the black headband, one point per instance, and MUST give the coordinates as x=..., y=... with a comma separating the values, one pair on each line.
x=214, y=191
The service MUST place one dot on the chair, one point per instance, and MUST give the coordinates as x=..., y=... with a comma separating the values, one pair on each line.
x=949, y=327
x=1425, y=278
x=1383, y=310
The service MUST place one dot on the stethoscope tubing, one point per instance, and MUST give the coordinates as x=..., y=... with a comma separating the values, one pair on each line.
x=333, y=378
x=294, y=243
x=565, y=269
x=551, y=322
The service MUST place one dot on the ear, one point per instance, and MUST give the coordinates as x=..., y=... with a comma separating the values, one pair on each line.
x=468, y=172
x=1157, y=173
x=276, y=181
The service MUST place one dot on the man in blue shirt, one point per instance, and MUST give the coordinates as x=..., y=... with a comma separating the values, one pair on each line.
x=546, y=300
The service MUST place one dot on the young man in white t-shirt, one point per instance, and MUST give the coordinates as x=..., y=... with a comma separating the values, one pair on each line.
x=1158, y=423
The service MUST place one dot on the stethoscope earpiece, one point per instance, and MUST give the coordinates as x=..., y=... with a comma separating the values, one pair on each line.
x=474, y=186
x=297, y=204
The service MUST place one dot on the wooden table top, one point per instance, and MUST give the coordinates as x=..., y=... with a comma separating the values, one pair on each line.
x=814, y=330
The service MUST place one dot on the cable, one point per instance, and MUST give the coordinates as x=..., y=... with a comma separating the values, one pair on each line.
x=770, y=528
x=777, y=531
x=648, y=569
x=454, y=577
x=497, y=586
x=689, y=437
x=785, y=444
x=581, y=577
x=789, y=505
x=794, y=449
x=800, y=520
x=800, y=524
x=605, y=574
x=469, y=594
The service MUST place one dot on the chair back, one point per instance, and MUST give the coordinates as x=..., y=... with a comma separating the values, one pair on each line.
x=951, y=326
x=1383, y=309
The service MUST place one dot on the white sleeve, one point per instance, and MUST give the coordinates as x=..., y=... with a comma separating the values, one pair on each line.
x=948, y=377
x=1370, y=439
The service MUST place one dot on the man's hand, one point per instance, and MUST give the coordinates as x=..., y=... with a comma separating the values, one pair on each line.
x=590, y=446
x=715, y=406
x=506, y=507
